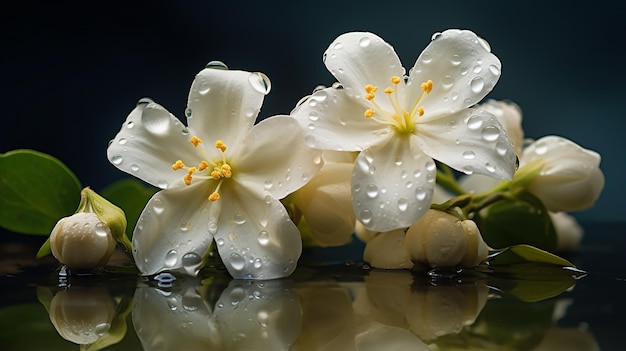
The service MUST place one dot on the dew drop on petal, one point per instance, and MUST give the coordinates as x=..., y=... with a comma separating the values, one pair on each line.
x=314, y=116
x=430, y=165
x=447, y=82
x=477, y=69
x=435, y=36
x=260, y=82
x=157, y=206
x=490, y=133
x=212, y=227
x=239, y=219
x=364, y=42
x=122, y=141
x=426, y=57
x=494, y=70
x=171, y=258
x=474, y=122
x=258, y=263
x=371, y=190
x=268, y=185
x=220, y=242
x=305, y=177
x=157, y=123
x=338, y=46
x=501, y=148
x=236, y=261
x=403, y=204
x=420, y=194
x=541, y=148
x=117, y=159
x=188, y=112
x=263, y=237
x=491, y=168
x=216, y=65
x=455, y=60
x=134, y=167
x=469, y=155
x=130, y=125
x=162, y=184
x=144, y=101
x=365, y=216
x=477, y=84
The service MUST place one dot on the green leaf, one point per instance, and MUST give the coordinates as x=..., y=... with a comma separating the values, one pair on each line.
x=532, y=274
x=37, y=190
x=511, y=222
x=131, y=196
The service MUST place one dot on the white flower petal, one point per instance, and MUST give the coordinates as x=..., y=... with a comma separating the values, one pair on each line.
x=273, y=158
x=223, y=104
x=462, y=69
x=471, y=141
x=334, y=120
x=139, y=147
x=175, y=230
x=357, y=59
x=256, y=238
x=392, y=185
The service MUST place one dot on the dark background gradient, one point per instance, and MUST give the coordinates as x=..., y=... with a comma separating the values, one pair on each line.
x=71, y=71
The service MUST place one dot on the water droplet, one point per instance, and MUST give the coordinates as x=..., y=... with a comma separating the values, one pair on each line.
x=469, y=155
x=365, y=216
x=338, y=46
x=216, y=65
x=258, y=263
x=455, y=60
x=491, y=133
x=409, y=184
x=436, y=36
x=494, y=70
x=157, y=122
x=171, y=258
x=188, y=112
x=371, y=190
x=101, y=229
x=468, y=170
x=477, y=84
x=404, y=174
x=130, y=125
x=314, y=116
x=420, y=194
x=220, y=242
x=268, y=199
x=312, y=102
x=191, y=259
x=337, y=85
x=403, y=204
x=239, y=219
x=364, y=42
x=447, y=82
x=157, y=206
x=144, y=101
x=212, y=227
x=162, y=184
x=260, y=82
x=541, y=148
x=117, y=159
x=101, y=329
x=425, y=57
x=122, y=141
x=263, y=237
x=363, y=164
x=501, y=148
x=430, y=165
x=477, y=69
x=134, y=167
x=491, y=168
x=474, y=122
x=268, y=185
x=305, y=177
x=484, y=44
x=237, y=262
x=184, y=227
x=311, y=126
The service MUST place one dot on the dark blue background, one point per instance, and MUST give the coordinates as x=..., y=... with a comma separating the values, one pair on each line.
x=72, y=71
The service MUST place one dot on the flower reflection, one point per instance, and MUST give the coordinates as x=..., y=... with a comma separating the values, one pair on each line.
x=247, y=315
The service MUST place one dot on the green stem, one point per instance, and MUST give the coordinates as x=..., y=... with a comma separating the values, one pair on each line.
x=446, y=179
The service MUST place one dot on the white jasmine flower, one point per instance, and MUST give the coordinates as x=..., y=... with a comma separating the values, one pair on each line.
x=400, y=124
x=222, y=178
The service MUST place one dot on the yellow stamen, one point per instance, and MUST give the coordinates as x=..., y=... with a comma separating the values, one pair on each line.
x=370, y=89
x=369, y=96
x=178, y=165
x=220, y=145
x=420, y=111
x=369, y=112
x=226, y=171
x=214, y=196
x=428, y=86
x=215, y=174
x=195, y=141
x=388, y=90
x=188, y=177
x=203, y=165
x=395, y=80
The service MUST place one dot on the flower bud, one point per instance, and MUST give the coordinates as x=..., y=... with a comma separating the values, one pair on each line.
x=563, y=175
x=87, y=239
x=82, y=241
x=441, y=240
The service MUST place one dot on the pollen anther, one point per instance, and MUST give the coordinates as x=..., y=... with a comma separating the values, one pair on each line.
x=427, y=86
x=178, y=165
x=220, y=145
x=395, y=80
x=195, y=141
x=203, y=165
x=369, y=113
x=388, y=90
x=214, y=196
x=420, y=111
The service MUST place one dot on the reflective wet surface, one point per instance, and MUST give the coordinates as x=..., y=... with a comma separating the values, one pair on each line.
x=339, y=306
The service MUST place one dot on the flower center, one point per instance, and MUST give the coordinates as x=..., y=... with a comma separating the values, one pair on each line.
x=403, y=120
x=208, y=170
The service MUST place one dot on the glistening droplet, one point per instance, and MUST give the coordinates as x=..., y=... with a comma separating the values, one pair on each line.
x=260, y=82
x=216, y=65
x=477, y=84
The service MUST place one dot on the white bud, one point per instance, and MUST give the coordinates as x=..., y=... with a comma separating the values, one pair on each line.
x=82, y=241
x=440, y=239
